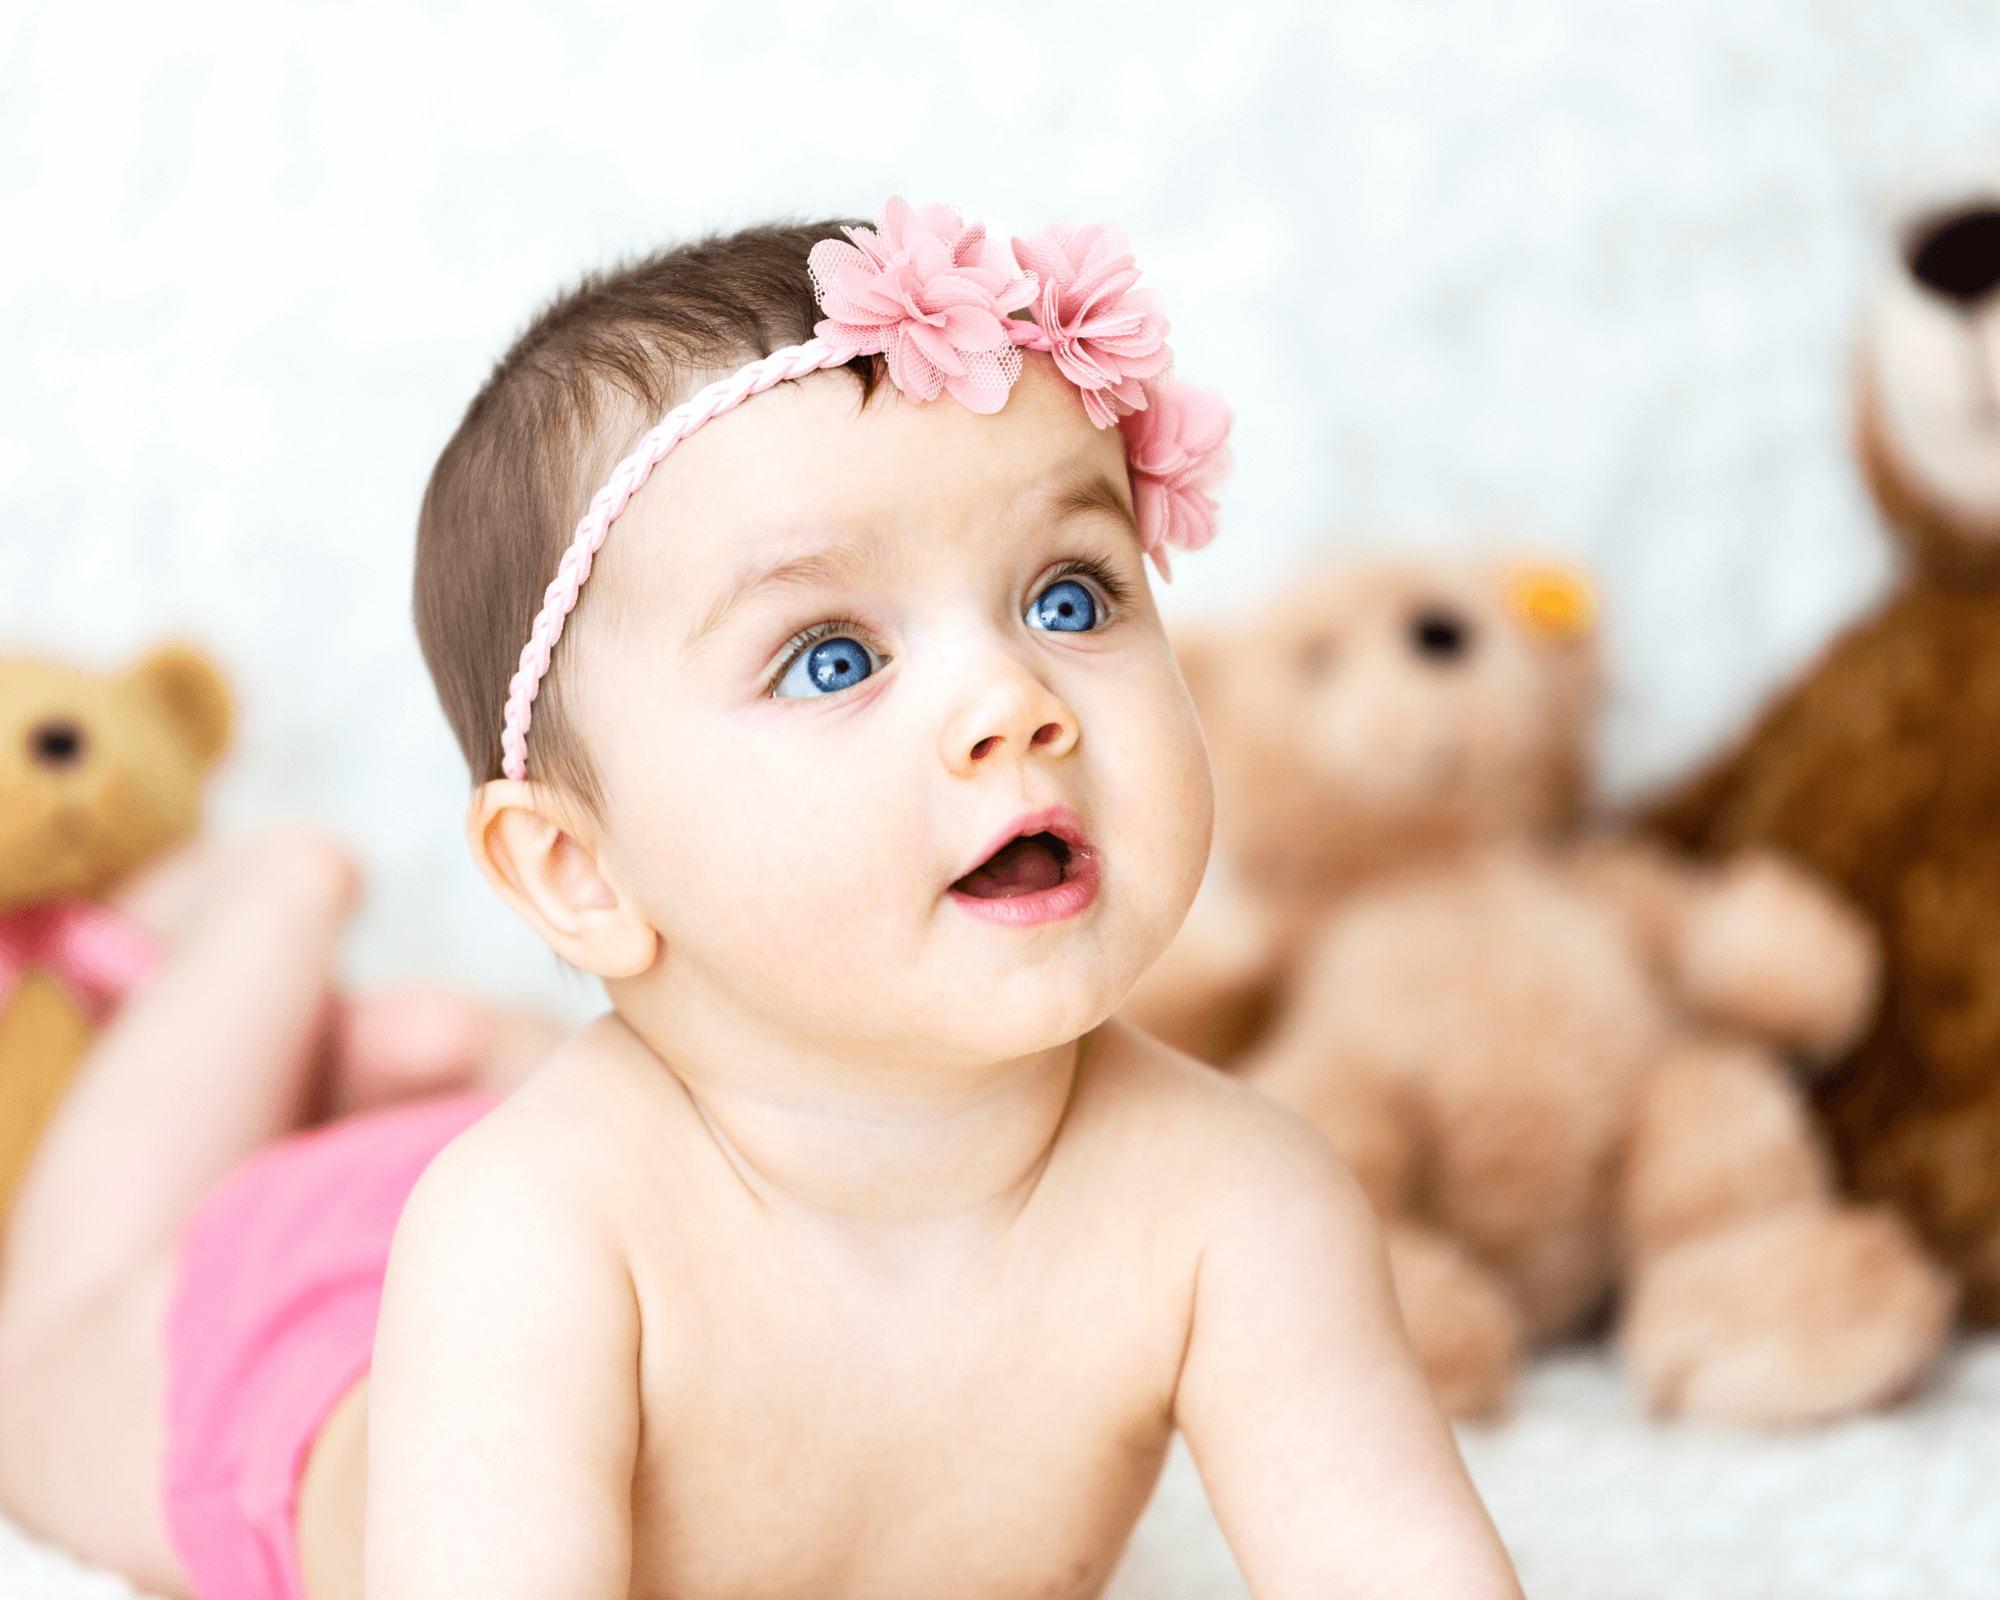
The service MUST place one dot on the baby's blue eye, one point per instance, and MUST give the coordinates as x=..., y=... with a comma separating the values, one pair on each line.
x=1065, y=607
x=827, y=668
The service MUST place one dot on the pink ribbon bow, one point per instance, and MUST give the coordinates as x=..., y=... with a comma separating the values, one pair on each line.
x=96, y=954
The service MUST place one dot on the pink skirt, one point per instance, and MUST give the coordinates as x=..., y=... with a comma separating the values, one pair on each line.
x=272, y=1321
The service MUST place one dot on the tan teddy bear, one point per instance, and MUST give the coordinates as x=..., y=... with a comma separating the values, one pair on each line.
x=1349, y=742
x=98, y=775
x=1553, y=1061
x=100, y=785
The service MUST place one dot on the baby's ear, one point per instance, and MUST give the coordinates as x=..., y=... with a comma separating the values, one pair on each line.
x=186, y=686
x=543, y=860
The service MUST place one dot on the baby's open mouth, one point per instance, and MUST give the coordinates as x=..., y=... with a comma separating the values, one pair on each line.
x=1025, y=865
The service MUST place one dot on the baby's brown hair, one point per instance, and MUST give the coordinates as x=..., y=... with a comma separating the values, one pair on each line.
x=596, y=368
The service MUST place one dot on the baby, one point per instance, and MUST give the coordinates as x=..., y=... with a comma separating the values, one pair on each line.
x=856, y=1252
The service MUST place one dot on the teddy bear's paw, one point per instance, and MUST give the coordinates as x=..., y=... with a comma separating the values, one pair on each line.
x=1772, y=950
x=1810, y=1313
x=1460, y=1321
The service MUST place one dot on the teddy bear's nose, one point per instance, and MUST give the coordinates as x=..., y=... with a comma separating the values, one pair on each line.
x=56, y=744
x=1439, y=634
x=1958, y=256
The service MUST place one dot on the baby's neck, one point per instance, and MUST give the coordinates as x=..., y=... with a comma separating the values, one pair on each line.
x=827, y=1139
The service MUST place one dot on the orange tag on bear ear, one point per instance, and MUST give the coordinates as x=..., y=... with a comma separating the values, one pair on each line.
x=1553, y=604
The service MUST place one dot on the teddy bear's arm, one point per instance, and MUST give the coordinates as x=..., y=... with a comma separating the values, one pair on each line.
x=1757, y=945
x=1769, y=948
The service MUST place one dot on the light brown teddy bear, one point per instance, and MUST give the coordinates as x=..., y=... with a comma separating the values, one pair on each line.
x=1554, y=1062
x=100, y=785
x=98, y=775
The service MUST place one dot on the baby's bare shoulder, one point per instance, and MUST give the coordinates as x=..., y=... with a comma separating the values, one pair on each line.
x=564, y=1148
x=508, y=1254
x=1190, y=1132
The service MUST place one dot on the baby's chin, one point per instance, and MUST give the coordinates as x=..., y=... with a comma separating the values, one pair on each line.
x=1038, y=1005
x=984, y=1033
x=956, y=1009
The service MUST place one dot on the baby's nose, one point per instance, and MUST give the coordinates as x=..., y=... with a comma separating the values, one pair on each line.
x=1047, y=733
x=1009, y=713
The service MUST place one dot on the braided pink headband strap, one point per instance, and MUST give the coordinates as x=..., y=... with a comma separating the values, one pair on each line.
x=937, y=300
x=627, y=478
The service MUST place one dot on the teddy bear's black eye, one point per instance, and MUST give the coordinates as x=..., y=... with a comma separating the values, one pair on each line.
x=57, y=744
x=1959, y=256
x=1440, y=634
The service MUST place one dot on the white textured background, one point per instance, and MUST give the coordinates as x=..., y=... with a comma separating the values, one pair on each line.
x=1578, y=271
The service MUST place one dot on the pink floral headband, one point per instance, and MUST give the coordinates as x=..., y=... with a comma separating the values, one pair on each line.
x=936, y=297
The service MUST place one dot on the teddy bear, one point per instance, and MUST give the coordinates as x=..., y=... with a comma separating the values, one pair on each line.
x=1336, y=762
x=1880, y=765
x=1554, y=1059
x=101, y=779
x=98, y=775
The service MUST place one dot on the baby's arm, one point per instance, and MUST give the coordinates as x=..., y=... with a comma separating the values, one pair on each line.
x=1329, y=1466
x=503, y=1410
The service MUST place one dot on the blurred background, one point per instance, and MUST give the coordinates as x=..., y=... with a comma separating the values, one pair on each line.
x=1574, y=274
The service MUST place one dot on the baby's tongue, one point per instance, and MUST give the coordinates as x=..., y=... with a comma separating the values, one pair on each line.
x=1023, y=867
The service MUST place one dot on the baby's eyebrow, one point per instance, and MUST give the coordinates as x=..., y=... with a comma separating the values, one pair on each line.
x=822, y=568
x=1091, y=492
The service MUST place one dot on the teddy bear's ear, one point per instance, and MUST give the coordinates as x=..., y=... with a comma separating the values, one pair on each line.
x=1551, y=602
x=185, y=684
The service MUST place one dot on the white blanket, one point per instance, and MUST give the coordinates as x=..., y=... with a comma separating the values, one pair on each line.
x=1599, y=1503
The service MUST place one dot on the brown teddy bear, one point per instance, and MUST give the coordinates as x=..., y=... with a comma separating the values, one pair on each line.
x=1553, y=1061
x=100, y=785
x=98, y=775
x=1880, y=767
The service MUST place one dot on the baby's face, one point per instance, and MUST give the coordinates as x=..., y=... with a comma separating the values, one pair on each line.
x=895, y=755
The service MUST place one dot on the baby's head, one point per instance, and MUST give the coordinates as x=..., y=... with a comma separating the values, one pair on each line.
x=864, y=732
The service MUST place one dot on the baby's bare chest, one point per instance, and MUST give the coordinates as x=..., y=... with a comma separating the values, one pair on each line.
x=993, y=1431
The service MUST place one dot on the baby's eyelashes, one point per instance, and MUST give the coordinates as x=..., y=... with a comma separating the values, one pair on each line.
x=1078, y=597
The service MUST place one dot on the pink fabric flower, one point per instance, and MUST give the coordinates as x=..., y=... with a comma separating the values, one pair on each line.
x=931, y=293
x=1178, y=450
x=1106, y=336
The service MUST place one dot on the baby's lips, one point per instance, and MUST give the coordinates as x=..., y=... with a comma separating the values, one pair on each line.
x=1020, y=867
x=1059, y=820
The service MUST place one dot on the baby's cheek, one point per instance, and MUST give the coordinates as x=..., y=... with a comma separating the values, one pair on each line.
x=1166, y=798
x=821, y=864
